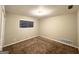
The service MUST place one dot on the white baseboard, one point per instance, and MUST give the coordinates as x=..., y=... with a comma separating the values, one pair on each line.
x=61, y=42
x=45, y=37
x=18, y=41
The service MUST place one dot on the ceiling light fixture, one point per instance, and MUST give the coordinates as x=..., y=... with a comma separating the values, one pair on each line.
x=41, y=11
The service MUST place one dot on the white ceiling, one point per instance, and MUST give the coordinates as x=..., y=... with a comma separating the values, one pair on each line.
x=26, y=9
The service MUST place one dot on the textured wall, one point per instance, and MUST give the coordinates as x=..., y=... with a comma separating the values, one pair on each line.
x=13, y=33
x=61, y=28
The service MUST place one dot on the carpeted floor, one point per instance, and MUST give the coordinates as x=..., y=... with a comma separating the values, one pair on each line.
x=40, y=45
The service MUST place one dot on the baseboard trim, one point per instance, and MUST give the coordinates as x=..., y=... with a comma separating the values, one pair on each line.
x=44, y=37
x=19, y=41
x=61, y=42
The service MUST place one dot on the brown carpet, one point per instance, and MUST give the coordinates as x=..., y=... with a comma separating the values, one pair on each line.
x=40, y=45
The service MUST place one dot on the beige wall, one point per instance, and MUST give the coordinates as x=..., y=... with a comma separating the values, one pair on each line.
x=0, y=28
x=62, y=28
x=78, y=28
x=2, y=22
x=13, y=33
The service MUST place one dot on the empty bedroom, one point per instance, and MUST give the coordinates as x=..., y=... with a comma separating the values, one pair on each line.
x=39, y=29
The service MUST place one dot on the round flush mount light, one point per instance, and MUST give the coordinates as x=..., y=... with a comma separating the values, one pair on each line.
x=41, y=11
